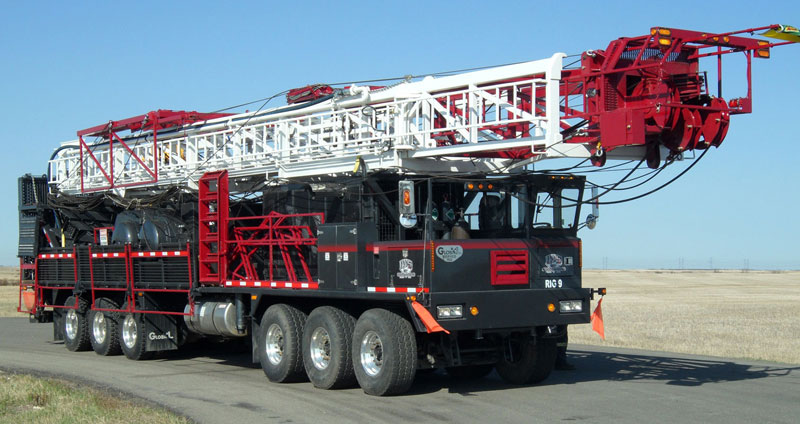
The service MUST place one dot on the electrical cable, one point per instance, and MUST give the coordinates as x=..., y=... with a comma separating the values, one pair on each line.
x=615, y=202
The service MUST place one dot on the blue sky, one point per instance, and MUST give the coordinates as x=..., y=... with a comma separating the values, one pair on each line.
x=69, y=66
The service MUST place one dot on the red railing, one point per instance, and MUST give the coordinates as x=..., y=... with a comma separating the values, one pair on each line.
x=269, y=233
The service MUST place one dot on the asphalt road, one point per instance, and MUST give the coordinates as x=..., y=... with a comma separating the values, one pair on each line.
x=212, y=385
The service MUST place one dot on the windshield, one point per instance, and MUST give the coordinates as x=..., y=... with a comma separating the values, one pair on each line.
x=521, y=209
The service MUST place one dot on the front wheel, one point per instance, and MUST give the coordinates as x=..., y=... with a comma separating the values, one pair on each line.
x=384, y=352
x=526, y=360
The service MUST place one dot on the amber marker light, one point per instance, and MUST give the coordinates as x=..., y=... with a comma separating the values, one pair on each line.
x=473, y=310
x=764, y=51
x=254, y=297
x=470, y=186
x=406, y=197
x=551, y=307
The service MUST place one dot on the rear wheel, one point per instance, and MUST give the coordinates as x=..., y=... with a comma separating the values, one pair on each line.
x=279, y=343
x=327, y=341
x=76, y=328
x=104, y=328
x=132, y=337
x=384, y=352
x=526, y=360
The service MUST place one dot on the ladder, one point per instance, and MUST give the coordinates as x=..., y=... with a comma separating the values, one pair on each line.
x=213, y=232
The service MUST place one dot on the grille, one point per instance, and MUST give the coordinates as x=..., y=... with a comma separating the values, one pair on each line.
x=510, y=267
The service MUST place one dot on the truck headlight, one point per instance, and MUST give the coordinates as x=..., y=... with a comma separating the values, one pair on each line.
x=449, y=311
x=565, y=306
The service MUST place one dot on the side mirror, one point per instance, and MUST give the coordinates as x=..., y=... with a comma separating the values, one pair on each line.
x=591, y=222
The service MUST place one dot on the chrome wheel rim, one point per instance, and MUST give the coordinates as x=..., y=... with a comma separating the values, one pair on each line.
x=71, y=324
x=129, y=332
x=274, y=344
x=320, y=348
x=371, y=353
x=99, y=327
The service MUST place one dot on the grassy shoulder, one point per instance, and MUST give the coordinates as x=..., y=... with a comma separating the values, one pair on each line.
x=28, y=399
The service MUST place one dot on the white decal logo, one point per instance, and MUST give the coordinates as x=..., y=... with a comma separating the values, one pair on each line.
x=553, y=264
x=406, y=269
x=154, y=336
x=449, y=253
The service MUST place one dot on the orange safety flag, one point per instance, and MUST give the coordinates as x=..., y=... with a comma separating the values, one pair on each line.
x=597, y=320
x=427, y=319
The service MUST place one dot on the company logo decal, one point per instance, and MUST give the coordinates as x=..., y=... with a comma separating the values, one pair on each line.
x=449, y=253
x=154, y=336
x=406, y=269
x=554, y=264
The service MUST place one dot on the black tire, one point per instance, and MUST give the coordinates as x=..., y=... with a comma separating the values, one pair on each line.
x=327, y=342
x=280, y=339
x=384, y=353
x=526, y=361
x=104, y=328
x=76, y=327
x=469, y=372
x=132, y=337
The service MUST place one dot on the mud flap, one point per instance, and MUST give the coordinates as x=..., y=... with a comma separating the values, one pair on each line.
x=160, y=332
x=58, y=325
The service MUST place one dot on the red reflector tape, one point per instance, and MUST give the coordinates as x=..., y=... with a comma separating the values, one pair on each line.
x=55, y=256
x=274, y=284
x=397, y=290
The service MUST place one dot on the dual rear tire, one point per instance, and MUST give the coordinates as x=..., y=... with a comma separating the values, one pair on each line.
x=132, y=336
x=103, y=331
x=76, y=326
x=104, y=328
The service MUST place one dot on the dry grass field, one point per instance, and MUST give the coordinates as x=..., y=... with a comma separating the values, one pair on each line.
x=9, y=278
x=753, y=315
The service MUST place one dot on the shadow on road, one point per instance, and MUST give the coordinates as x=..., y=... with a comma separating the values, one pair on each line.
x=603, y=366
x=591, y=366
